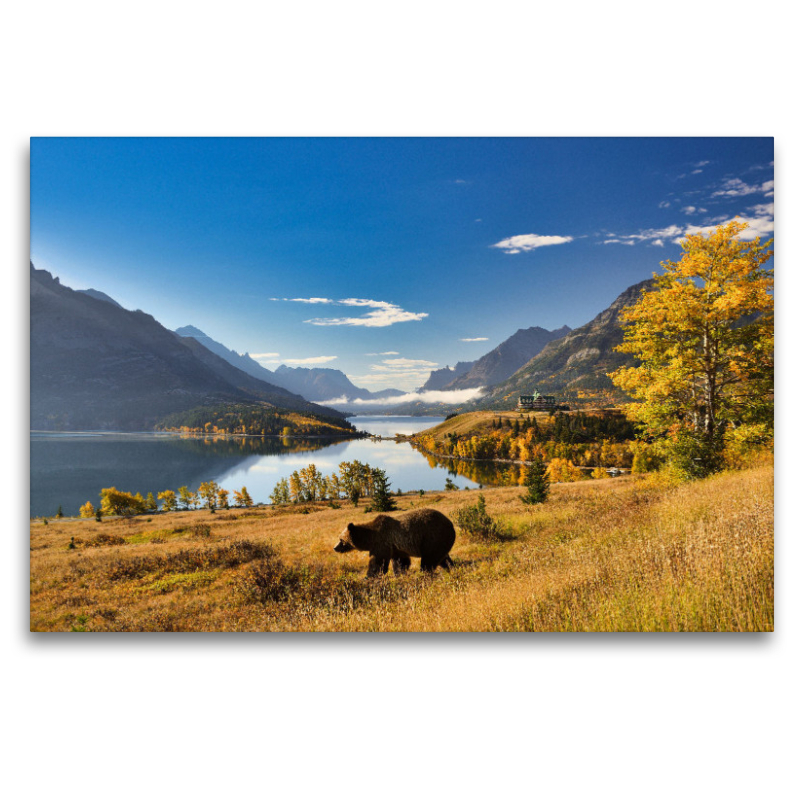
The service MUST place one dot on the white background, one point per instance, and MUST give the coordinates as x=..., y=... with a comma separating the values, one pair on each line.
x=617, y=716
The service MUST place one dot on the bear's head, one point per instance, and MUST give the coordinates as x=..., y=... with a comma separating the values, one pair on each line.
x=345, y=543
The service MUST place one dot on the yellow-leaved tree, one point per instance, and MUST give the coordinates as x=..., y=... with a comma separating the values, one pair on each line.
x=704, y=337
x=87, y=510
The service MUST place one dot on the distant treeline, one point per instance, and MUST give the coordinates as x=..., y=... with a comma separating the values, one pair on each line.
x=570, y=428
x=254, y=420
x=583, y=439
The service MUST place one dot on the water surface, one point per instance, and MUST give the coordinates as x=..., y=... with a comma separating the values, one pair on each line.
x=67, y=469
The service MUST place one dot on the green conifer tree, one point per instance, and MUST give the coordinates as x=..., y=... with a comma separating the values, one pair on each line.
x=536, y=483
x=381, y=499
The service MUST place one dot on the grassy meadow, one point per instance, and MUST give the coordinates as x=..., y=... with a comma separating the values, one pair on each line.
x=622, y=554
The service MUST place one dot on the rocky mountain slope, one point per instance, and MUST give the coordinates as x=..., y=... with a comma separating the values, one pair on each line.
x=506, y=358
x=439, y=378
x=242, y=362
x=97, y=366
x=573, y=367
x=98, y=295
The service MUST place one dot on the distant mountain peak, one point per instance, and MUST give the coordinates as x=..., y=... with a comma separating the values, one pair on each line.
x=98, y=295
x=502, y=362
x=319, y=383
x=190, y=330
x=574, y=367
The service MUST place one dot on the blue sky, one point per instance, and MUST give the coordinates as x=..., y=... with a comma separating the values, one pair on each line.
x=384, y=258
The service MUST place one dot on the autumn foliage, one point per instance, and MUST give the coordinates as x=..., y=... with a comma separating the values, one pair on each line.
x=705, y=342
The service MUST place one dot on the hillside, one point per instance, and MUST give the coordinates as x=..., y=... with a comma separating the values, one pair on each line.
x=615, y=554
x=573, y=367
x=95, y=365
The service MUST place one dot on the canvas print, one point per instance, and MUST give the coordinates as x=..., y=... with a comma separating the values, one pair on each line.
x=401, y=384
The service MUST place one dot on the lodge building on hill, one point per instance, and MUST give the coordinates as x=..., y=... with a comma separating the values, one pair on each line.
x=536, y=402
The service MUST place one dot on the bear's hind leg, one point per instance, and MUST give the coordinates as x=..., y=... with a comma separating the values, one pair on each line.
x=377, y=567
x=428, y=565
x=401, y=564
x=446, y=562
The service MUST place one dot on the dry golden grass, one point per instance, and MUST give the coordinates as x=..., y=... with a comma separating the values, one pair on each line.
x=476, y=423
x=622, y=554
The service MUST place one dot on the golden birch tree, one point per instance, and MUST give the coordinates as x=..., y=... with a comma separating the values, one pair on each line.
x=704, y=339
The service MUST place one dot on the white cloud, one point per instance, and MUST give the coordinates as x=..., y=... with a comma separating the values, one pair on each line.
x=389, y=378
x=760, y=222
x=263, y=355
x=398, y=373
x=736, y=187
x=312, y=300
x=649, y=235
x=756, y=226
x=383, y=314
x=693, y=210
x=529, y=241
x=387, y=353
x=451, y=398
x=664, y=204
x=310, y=360
x=357, y=301
x=763, y=209
x=389, y=364
x=700, y=164
x=476, y=339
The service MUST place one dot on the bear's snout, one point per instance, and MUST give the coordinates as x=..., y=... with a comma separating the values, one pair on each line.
x=343, y=547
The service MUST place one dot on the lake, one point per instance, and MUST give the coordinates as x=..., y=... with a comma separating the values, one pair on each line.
x=67, y=469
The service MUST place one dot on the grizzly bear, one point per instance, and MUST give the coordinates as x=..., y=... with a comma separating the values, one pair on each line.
x=422, y=533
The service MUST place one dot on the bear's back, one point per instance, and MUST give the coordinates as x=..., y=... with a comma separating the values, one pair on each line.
x=427, y=525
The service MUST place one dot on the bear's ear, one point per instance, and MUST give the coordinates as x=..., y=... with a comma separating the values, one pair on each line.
x=350, y=526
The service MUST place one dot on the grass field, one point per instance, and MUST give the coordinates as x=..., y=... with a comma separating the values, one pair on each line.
x=476, y=423
x=623, y=554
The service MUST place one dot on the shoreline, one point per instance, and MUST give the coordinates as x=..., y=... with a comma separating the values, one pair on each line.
x=621, y=470
x=197, y=435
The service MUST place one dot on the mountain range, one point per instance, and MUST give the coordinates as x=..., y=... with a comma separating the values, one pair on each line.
x=574, y=366
x=315, y=384
x=506, y=358
x=98, y=366
x=440, y=378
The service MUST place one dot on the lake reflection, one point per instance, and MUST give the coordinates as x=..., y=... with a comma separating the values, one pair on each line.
x=68, y=469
